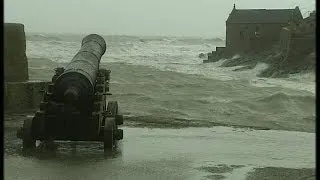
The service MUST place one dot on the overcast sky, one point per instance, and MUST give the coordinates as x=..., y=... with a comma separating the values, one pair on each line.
x=135, y=17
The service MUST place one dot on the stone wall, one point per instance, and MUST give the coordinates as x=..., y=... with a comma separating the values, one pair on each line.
x=20, y=95
x=15, y=59
x=23, y=96
x=296, y=46
x=220, y=49
x=299, y=48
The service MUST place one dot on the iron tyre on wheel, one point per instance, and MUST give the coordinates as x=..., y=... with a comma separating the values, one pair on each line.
x=109, y=128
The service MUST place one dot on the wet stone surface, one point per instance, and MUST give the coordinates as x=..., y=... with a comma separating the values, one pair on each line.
x=155, y=153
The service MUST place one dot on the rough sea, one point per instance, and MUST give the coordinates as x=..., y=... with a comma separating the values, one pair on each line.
x=162, y=82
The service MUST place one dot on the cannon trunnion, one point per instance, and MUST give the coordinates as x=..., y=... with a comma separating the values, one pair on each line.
x=74, y=106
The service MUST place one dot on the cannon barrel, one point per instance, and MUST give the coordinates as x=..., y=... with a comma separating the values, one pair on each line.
x=76, y=84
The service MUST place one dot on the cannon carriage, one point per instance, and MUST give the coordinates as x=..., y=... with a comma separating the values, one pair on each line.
x=74, y=106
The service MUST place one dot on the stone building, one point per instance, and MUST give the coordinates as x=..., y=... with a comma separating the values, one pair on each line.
x=254, y=30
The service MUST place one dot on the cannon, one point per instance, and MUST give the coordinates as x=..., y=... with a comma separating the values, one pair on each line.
x=74, y=105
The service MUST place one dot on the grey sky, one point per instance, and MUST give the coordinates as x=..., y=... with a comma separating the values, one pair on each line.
x=135, y=17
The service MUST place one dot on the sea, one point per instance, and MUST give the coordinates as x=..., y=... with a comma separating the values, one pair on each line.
x=161, y=82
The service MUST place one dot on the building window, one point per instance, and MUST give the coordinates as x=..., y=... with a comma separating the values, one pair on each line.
x=241, y=34
x=257, y=32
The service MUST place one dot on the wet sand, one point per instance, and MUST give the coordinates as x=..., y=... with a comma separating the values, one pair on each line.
x=157, y=153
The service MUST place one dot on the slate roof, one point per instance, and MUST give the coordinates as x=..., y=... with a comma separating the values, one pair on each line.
x=261, y=15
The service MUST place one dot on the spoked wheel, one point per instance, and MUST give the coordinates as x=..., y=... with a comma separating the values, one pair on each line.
x=112, y=108
x=111, y=132
x=28, y=141
x=109, y=128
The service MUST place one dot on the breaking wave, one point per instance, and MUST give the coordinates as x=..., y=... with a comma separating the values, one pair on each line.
x=42, y=37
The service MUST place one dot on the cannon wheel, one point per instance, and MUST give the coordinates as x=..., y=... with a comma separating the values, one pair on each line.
x=112, y=110
x=28, y=141
x=109, y=128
